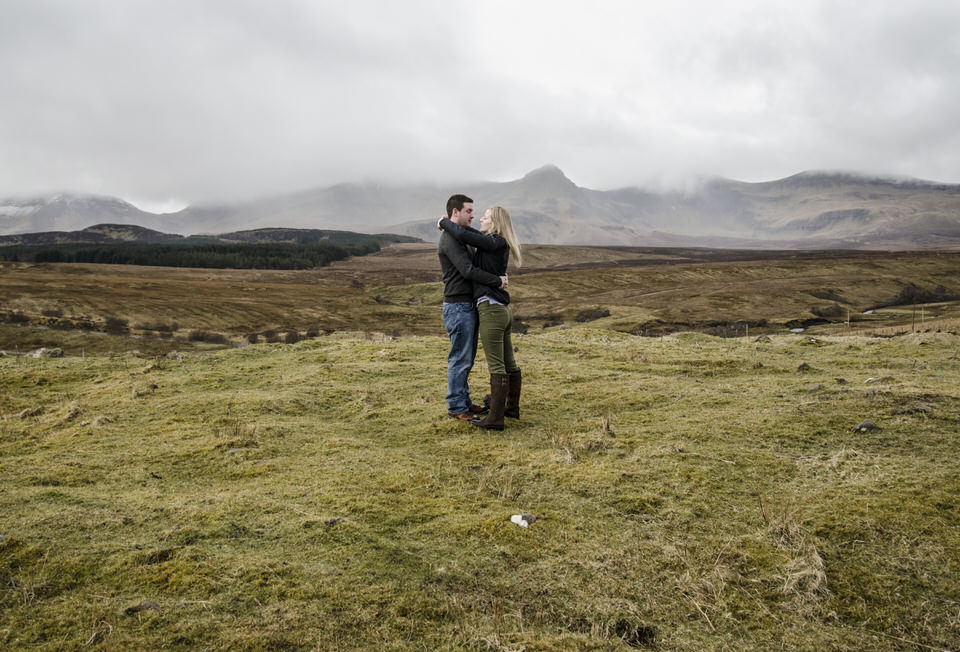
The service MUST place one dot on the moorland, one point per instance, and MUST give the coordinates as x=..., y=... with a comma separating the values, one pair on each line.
x=260, y=459
x=645, y=291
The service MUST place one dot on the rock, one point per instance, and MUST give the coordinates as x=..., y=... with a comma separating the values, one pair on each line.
x=841, y=381
x=814, y=388
x=46, y=353
x=146, y=605
x=763, y=339
x=758, y=365
x=333, y=521
x=523, y=520
x=30, y=412
x=866, y=426
x=883, y=379
x=804, y=367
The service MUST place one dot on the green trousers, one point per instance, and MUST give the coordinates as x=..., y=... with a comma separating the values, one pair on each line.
x=496, y=323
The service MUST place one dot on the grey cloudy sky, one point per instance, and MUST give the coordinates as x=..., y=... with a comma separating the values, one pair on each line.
x=167, y=102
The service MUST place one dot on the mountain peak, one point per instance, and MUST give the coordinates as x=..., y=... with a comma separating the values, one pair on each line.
x=549, y=176
x=548, y=170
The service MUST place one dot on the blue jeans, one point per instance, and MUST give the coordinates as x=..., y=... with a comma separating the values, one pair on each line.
x=460, y=322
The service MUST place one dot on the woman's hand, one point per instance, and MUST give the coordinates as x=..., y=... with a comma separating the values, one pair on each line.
x=442, y=218
x=503, y=281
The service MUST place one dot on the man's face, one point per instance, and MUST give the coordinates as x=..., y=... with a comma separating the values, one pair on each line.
x=464, y=216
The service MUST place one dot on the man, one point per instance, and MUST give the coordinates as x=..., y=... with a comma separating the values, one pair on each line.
x=459, y=309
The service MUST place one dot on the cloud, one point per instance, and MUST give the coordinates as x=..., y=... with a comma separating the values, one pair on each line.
x=177, y=101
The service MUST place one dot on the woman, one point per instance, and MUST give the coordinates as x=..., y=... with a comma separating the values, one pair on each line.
x=494, y=246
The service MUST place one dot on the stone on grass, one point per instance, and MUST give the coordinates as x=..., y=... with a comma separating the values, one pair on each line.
x=804, y=367
x=866, y=425
x=523, y=520
x=46, y=353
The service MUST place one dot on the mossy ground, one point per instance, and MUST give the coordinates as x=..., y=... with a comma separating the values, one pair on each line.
x=690, y=493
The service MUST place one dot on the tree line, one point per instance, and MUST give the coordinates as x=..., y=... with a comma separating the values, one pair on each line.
x=272, y=255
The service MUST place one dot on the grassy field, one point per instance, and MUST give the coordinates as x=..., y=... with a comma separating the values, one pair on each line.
x=690, y=493
x=178, y=482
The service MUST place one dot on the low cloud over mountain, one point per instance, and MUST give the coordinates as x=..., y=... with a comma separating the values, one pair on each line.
x=812, y=209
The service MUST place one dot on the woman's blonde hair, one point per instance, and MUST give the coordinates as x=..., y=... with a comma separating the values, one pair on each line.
x=504, y=228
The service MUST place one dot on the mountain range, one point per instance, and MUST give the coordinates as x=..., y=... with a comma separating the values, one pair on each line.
x=807, y=210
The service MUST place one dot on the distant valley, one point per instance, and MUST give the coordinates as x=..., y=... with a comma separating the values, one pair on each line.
x=811, y=210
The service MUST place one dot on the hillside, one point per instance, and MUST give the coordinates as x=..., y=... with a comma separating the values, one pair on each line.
x=808, y=210
x=131, y=233
x=96, y=234
x=69, y=212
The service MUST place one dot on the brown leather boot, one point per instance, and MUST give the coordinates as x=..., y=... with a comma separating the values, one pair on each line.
x=512, y=408
x=498, y=398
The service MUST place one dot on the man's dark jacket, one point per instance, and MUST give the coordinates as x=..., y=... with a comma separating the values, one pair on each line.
x=491, y=255
x=459, y=272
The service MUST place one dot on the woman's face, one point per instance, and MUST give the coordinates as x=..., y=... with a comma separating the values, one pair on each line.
x=486, y=222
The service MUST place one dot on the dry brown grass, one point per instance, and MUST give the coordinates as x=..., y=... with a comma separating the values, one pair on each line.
x=397, y=291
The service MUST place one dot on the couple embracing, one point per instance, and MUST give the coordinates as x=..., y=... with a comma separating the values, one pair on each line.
x=476, y=302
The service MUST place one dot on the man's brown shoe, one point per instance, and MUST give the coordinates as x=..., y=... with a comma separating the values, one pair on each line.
x=463, y=416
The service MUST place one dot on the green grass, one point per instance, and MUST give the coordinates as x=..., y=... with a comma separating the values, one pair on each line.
x=690, y=492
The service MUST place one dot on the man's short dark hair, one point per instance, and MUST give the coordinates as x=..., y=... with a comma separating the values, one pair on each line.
x=456, y=202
